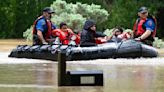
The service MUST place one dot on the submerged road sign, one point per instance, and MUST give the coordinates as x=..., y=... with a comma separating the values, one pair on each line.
x=77, y=78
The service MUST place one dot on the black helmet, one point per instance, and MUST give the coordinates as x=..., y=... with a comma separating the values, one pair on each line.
x=48, y=10
x=143, y=9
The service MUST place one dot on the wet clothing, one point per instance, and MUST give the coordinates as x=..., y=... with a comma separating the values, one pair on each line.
x=142, y=25
x=87, y=36
x=45, y=26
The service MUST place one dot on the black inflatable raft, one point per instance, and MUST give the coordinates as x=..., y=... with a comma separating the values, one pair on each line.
x=124, y=49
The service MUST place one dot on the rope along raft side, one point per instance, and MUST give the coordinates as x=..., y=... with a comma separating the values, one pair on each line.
x=124, y=49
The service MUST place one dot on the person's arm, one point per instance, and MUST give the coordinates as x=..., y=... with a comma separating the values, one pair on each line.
x=150, y=27
x=40, y=29
x=99, y=34
x=40, y=36
x=145, y=35
x=70, y=31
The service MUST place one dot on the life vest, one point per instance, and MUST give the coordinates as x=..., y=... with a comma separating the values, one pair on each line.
x=139, y=27
x=47, y=33
x=65, y=37
x=77, y=40
x=100, y=41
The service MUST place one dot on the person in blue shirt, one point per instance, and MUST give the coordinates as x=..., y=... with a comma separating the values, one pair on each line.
x=43, y=27
x=145, y=27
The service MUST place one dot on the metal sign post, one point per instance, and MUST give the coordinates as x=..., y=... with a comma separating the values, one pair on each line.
x=77, y=78
x=61, y=68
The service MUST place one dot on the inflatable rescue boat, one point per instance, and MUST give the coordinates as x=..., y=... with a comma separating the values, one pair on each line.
x=123, y=49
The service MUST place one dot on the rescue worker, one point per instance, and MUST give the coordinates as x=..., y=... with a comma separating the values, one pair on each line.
x=65, y=35
x=89, y=36
x=42, y=27
x=144, y=29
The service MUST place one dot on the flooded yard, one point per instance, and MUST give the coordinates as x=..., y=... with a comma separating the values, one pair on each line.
x=120, y=75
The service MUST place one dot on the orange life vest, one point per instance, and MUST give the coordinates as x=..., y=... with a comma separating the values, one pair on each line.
x=65, y=37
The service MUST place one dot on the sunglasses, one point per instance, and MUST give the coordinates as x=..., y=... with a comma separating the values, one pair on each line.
x=144, y=13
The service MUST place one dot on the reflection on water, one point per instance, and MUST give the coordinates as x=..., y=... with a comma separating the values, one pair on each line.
x=119, y=78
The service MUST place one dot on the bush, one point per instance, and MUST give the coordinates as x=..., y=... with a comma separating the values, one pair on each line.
x=75, y=15
x=28, y=34
x=108, y=32
x=159, y=43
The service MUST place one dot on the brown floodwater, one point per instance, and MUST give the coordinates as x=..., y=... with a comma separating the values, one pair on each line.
x=120, y=75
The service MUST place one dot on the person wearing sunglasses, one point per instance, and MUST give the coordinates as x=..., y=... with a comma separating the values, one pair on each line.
x=42, y=27
x=144, y=29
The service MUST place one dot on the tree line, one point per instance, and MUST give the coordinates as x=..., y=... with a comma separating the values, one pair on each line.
x=18, y=15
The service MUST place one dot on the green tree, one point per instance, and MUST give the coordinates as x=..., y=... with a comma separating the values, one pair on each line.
x=75, y=15
x=7, y=18
x=124, y=13
x=17, y=15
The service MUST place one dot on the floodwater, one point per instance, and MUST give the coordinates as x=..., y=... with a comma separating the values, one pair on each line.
x=120, y=75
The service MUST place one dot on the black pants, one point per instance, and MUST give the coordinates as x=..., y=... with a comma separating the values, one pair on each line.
x=148, y=42
x=36, y=40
